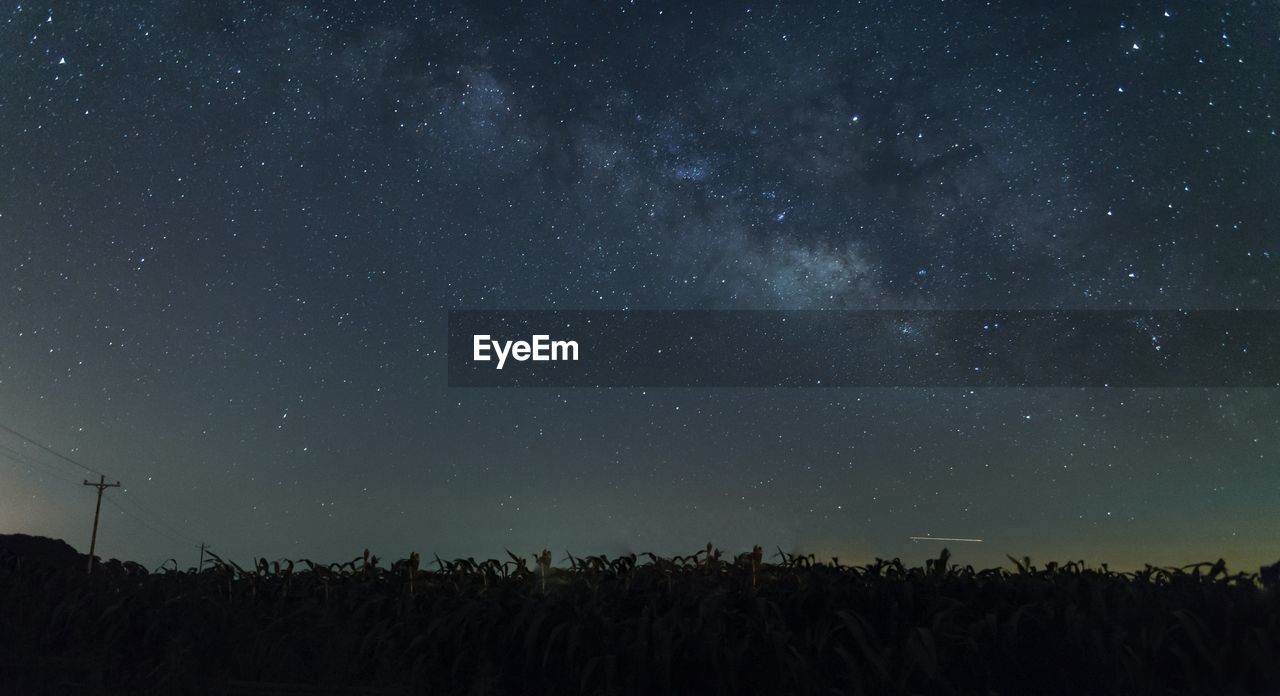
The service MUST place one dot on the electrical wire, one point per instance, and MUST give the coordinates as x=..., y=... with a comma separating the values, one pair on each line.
x=114, y=503
x=158, y=518
x=158, y=522
x=17, y=460
x=50, y=450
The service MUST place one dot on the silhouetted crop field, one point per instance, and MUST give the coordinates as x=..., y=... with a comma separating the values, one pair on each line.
x=699, y=624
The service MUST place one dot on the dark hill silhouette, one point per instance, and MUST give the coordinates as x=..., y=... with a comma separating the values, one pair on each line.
x=38, y=548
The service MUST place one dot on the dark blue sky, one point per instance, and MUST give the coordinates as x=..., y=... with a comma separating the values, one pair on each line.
x=229, y=233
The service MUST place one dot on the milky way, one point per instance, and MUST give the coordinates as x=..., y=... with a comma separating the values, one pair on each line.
x=229, y=234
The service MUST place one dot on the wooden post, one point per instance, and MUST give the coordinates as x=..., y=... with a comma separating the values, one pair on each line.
x=101, y=485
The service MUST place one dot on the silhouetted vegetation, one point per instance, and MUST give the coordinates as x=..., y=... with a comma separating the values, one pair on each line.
x=699, y=624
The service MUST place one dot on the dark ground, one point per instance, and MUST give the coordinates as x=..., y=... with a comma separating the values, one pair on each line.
x=698, y=624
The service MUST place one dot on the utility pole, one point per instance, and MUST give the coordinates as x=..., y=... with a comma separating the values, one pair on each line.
x=101, y=485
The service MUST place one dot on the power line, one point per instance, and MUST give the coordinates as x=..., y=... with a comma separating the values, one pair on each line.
x=158, y=518
x=55, y=453
x=170, y=530
x=150, y=526
x=17, y=460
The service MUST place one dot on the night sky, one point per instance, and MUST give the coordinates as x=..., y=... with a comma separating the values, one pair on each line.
x=230, y=234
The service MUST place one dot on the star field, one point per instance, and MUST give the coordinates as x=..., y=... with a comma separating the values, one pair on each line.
x=229, y=235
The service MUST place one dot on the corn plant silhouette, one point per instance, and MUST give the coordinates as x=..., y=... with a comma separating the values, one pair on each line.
x=637, y=625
